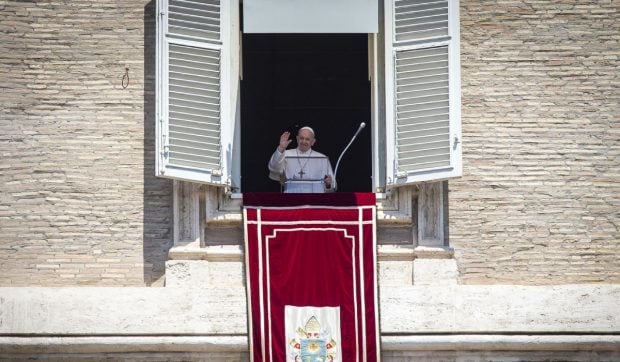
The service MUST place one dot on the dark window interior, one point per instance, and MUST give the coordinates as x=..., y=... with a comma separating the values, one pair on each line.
x=293, y=80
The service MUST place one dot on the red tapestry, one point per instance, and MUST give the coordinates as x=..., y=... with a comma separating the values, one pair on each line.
x=311, y=272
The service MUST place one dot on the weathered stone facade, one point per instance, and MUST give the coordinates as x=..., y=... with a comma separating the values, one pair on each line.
x=533, y=223
x=80, y=204
x=539, y=201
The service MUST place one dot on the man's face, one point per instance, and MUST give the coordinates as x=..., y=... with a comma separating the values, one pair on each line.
x=305, y=140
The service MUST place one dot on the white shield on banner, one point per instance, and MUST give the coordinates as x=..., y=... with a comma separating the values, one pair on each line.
x=312, y=333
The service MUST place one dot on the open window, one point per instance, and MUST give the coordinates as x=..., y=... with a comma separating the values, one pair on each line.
x=412, y=89
x=196, y=87
x=422, y=83
x=295, y=80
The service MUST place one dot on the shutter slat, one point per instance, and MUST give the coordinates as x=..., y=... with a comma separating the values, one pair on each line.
x=192, y=129
x=421, y=99
x=429, y=131
x=416, y=20
x=187, y=114
x=422, y=75
x=191, y=50
x=203, y=155
x=406, y=18
x=423, y=154
x=193, y=34
x=188, y=24
x=409, y=144
x=422, y=108
x=422, y=95
x=181, y=55
x=186, y=134
x=433, y=89
x=207, y=97
x=197, y=17
x=194, y=68
x=193, y=19
x=193, y=84
x=442, y=122
x=204, y=5
x=405, y=95
x=180, y=153
x=196, y=147
x=194, y=107
x=430, y=162
x=191, y=137
x=192, y=61
x=189, y=164
x=201, y=80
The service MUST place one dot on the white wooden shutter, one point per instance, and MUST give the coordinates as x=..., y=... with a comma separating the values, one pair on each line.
x=191, y=75
x=423, y=128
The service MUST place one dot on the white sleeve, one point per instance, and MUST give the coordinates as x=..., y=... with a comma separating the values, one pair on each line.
x=330, y=172
x=276, y=165
x=330, y=169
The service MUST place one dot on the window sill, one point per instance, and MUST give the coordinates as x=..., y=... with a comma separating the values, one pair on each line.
x=235, y=253
x=393, y=209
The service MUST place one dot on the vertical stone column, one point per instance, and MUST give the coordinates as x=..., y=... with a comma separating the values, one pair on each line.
x=434, y=263
x=184, y=267
x=187, y=220
x=431, y=214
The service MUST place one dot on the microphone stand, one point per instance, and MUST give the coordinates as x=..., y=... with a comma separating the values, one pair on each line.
x=362, y=125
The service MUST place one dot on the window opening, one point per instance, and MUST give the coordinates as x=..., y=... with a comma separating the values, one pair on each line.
x=293, y=80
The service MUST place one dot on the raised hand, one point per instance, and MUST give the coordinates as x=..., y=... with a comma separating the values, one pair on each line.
x=284, y=141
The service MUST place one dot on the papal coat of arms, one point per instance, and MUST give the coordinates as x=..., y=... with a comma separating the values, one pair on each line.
x=313, y=344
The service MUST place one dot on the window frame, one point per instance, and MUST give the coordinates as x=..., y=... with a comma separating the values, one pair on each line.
x=226, y=45
x=381, y=73
x=394, y=177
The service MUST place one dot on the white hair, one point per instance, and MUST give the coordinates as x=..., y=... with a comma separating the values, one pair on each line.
x=306, y=128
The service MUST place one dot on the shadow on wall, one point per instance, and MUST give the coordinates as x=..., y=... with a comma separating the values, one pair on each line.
x=157, y=197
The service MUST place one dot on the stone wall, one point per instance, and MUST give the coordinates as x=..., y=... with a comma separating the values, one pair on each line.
x=79, y=204
x=193, y=320
x=538, y=203
x=539, y=200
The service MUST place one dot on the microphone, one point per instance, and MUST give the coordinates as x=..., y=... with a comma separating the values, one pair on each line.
x=359, y=129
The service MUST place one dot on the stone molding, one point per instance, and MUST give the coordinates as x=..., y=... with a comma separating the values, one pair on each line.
x=233, y=343
x=193, y=251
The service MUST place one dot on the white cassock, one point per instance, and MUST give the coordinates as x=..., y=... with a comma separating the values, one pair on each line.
x=301, y=171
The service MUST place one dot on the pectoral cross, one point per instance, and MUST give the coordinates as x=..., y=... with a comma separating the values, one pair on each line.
x=301, y=173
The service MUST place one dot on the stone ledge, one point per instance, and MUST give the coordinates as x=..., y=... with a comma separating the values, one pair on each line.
x=393, y=208
x=501, y=342
x=120, y=344
x=193, y=251
x=234, y=343
x=434, y=252
x=221, y=309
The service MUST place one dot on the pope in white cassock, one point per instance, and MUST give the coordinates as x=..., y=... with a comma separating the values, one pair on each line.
x=301, y=169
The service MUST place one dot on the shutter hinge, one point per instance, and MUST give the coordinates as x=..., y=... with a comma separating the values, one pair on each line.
x=388, y=187
x=456, y=142
x=164, y=155
x=165, y=147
